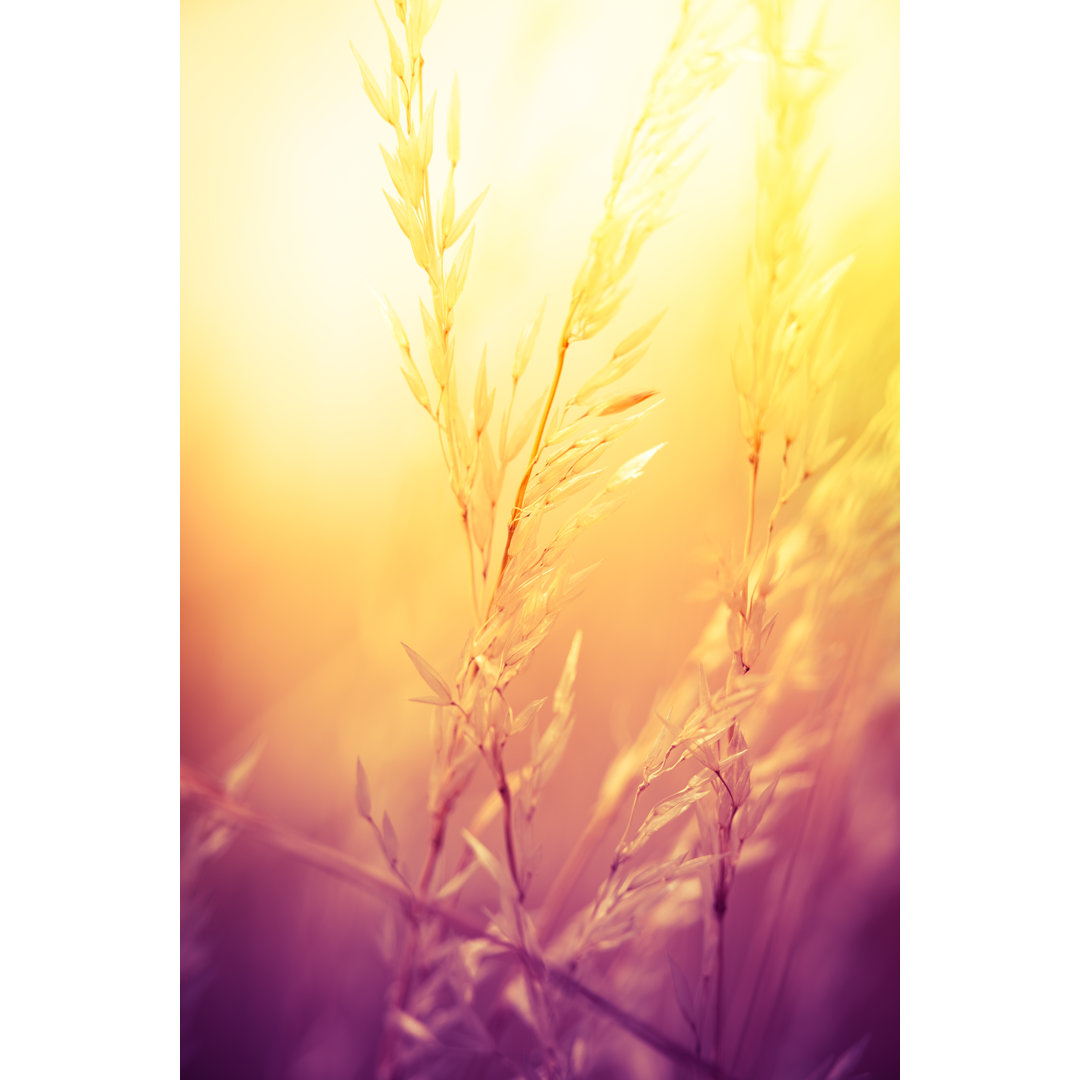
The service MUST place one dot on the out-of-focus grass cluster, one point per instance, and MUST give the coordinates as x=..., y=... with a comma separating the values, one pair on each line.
x=670, y=922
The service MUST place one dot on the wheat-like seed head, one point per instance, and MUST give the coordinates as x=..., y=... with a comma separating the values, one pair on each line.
x=782, y=367
x=433, y=232
x=655, y=158
x=779, y=370
x=520, y=596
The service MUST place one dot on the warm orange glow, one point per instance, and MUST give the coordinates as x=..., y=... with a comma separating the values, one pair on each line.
x=319, y=530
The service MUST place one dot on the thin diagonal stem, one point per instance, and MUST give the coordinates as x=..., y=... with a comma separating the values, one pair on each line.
x=329, y=860
x=534, y=456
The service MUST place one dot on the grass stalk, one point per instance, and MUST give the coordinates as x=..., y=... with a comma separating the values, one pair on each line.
x=534, y=457
x=196, y=786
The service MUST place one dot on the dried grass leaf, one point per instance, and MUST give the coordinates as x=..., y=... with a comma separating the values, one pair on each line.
x=499, y=874
x=409, y=1025
x=666, y=812
x=363, y=791
x=463, y=222
x=389, y=836
x=526, y=344
x=639, y=336
x=750, y=815
x=516, y=443
x=457, y=882
x=665, y=873
x=455, y=281
x=526, y=716
x=564, y=691
x=371, y=87
x=611, y=372
x=623, y=402
x=444, y=696
x=683, y=995
x=236, y=779
x=483, y=400
x=632, y=469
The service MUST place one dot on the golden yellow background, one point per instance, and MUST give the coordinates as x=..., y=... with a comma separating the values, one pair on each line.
x=318, y=531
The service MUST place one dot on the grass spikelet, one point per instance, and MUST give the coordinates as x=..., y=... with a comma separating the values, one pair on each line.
x=517, y=600
x=649, y=168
